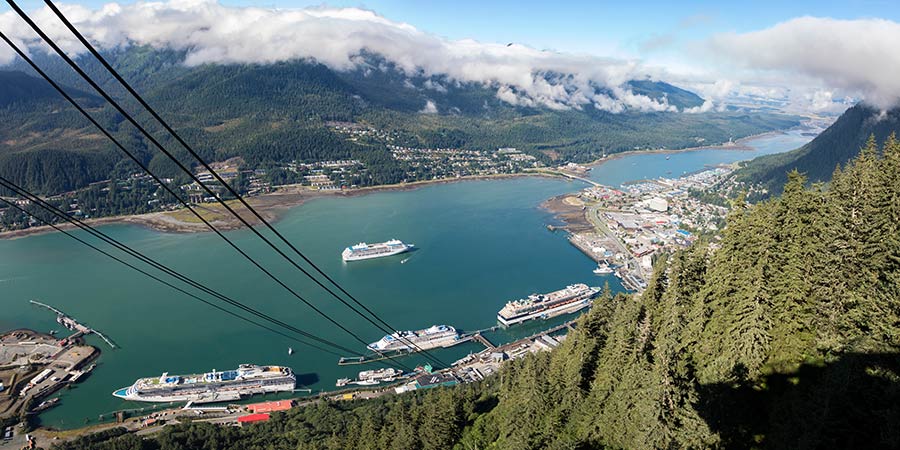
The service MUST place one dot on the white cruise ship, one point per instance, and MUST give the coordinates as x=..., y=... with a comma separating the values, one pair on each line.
x=412, y=341
x=230, y=385
x=544, y=306
x=368, y=251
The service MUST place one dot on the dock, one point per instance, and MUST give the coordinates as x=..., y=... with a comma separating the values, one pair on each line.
x=375, y=357
x=477, y=336
x=72, y=325
x=483, y=340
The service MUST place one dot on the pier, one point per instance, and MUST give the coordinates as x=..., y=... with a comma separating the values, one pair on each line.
x=72, y=325
x=477, y=335
x=483, y=340
x=375, y=357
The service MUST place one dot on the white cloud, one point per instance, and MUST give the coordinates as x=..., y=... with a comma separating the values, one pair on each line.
x=838, y=58
x=714, y=94
x=213, y=33
x=430, y=108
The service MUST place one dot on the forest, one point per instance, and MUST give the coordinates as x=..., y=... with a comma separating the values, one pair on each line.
x=782, y=334
x=278, y=113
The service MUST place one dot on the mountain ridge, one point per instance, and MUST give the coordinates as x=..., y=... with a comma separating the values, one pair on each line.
x=835, y=146
x=276, y=113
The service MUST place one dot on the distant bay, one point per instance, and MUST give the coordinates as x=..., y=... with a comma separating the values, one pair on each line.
x=481, y=243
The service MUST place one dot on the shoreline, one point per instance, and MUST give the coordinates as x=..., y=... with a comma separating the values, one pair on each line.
x=273, y=205
x=739, y=144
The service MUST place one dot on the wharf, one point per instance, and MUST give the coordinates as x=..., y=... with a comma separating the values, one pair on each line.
x=460, y=371
x=34, y=365
x=375, y=357
x=483, y=340
x=570, y=325
x=73, y=325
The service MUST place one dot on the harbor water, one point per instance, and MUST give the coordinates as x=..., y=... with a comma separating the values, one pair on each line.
x=479, y=245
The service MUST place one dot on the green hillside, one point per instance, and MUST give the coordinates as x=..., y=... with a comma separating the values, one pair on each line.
x=786, y=336
x=836, y=145
x=276, y=113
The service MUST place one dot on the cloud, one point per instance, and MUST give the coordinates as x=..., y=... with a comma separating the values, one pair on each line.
x=714, y=95
x=430, y=108
x=212, y=33
x=846, y=58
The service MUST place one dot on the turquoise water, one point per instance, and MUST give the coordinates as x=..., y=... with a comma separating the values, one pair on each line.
x=654, y=165
x=481, y=243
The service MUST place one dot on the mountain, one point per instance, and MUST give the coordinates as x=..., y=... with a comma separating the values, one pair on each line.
x=21, y=88
x=270, y=114
x=838, y=144
x=785, y=334
x=659, y=90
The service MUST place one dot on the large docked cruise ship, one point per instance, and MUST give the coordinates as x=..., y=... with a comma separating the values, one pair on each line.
x=411, y=341
x=368, y=251
x=230, y=385
x=544, y=306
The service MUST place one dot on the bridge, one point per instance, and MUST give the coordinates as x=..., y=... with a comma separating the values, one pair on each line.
x=576, y=177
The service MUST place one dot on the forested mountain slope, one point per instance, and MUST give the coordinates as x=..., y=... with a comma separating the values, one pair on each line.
x=19, y=88
x=280, y=112
x=836, y=145
x=785, y=334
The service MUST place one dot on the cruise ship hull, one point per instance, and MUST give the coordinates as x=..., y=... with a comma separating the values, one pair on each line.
x=211, y=387
x=558, y=310
x=438, y=336
x=401, y=346
x=203, y=397
x=348, y=257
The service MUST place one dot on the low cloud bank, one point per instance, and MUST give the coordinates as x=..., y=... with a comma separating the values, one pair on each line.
x=848, y=58
x=213, y=33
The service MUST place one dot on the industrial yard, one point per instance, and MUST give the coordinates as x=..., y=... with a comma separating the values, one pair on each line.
x=34, y=365
x=624, y=229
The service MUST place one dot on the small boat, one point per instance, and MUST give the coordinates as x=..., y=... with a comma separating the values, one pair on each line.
x=603, y=269
x=290, y=350
x=46, y=405
x=386, y=374
x=405, y=260
x=667, y=157
x=341, y=382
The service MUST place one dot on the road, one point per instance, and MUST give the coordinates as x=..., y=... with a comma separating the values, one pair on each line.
x=593, y=216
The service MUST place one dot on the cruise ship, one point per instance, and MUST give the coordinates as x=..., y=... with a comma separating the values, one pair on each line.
x=230, y=385
x=544, y=306
x=368, y=251
x=412, y=341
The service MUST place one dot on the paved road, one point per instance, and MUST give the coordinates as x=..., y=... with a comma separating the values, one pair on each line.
x=594, y=218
